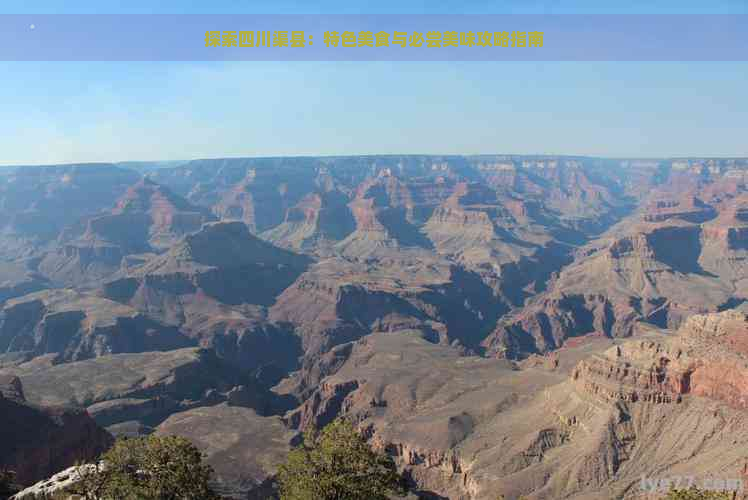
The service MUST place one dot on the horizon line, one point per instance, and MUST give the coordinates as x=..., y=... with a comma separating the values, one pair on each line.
x=390, y=155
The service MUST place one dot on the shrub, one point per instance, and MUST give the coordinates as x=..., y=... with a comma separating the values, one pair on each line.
x=337, y=464
x=695, y=494
x=149, y=468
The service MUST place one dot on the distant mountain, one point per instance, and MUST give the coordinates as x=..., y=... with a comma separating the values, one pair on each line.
x=38, y=202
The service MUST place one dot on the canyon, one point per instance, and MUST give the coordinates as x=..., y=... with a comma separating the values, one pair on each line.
x=540, y=326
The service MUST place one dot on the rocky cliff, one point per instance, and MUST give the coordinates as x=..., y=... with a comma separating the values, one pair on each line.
x=39, y=441
x=71, y=326
x=651, y=268
x=586, y=424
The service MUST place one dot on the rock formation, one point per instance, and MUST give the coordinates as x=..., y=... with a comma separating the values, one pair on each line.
x=39, y=441
x=147, y=218
x=546, y=326
x=586, y=425
x=659, y=267
x=72, y=325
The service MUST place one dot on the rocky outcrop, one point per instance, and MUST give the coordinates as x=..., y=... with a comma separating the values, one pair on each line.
x=169, y=216
x=317, y=221
x=586, y=425
x=616, y=380
x=654, y=273
x=302, y=383
x=689, y=209
x=390, y=211
x=58, y=485
x=324, y=406
x=729, y=232
x=130, y=393
x=333, y=303
x=257, y=193
x=74, y=326
x=707, y=358
x=225, y=262
x=548, y=325
x=39, y=441
x=17, y=280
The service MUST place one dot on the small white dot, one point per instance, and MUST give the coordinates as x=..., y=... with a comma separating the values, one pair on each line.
x=32, y=26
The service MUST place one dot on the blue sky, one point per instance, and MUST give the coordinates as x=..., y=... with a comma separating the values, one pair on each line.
x=68, y=112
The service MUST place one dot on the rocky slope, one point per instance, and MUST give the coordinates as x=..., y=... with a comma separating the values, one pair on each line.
x=168, y=216
x=215, y=286
x=707, y=357
x=673, y=259
x=389, y=211
x=17, y=279
x=147, y=218
x=223, y=261
x=38, y=202
x=38, y=441
x=244, y=448
x=131, y=393
x=318, y=221
x=71, y=325
x=586, y=423
x=337, y=301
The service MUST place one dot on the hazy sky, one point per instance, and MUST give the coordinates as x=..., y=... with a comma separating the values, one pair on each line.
x=68, y=112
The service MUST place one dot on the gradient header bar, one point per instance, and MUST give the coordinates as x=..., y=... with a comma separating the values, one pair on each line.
x=360, y=37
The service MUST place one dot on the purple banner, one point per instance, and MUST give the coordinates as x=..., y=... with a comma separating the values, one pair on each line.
x=374, y=37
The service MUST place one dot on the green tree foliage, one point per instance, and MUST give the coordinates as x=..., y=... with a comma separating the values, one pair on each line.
x=695, y=494
x=149, y=468
x=337, y=464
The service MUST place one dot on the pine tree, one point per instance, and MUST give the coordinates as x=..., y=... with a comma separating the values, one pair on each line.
x=337, y=464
